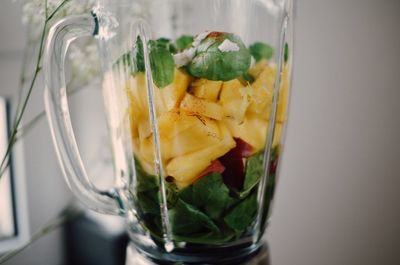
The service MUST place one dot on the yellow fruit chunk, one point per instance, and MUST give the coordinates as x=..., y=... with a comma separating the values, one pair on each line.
x=181, y=133
x=277, y=134
x=172, y=94
x=256, y=70
x=201, y=107
x=235, y=99
x=252, y=130
x=206, y=89
x=283, y=96
x=261, y=98
x=185, y=169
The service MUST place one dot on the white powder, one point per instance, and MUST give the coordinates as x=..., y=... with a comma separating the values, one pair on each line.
x=184, y=57
x=228, y=46
x=199, y=38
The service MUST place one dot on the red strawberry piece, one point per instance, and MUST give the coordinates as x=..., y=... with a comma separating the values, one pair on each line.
x=215, y=166
x=234, y=165
x=245, y=149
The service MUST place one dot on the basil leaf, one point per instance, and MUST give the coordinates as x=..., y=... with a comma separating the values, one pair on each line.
x=246, y=77
x=187, y=219
x=261, y=51
x=213, y=63
x=166, y=44
x=183, y=42
x=243, y=214
x=162, y=65
x=286, y=52
x=139, y=55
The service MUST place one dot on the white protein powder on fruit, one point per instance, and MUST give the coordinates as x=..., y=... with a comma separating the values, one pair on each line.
x=228, y=46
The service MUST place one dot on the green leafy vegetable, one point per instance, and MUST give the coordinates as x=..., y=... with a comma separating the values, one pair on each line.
x=139, y=55
x=261, y=51
x=247, y=78
x=162, y=64
x=286, y=52
x=213, y=63
x=209, y=194
x=187, y=219
x=254, y=172
x=166, y=43
x=184, y=42
x=242, y=215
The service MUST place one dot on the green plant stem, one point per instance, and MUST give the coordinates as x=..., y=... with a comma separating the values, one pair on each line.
x=71, y=212
x=13, y=135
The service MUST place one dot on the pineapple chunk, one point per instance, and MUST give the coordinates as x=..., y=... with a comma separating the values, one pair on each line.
x=277, y=134
x=201, y=107
x=185, y=169
x=261, y=98
x=235, y=99
x=144, y=129
x=256, y=70
x=206, y=89
x=283, y=96
x=172, y=95
x=183, y=134
x=252, y=130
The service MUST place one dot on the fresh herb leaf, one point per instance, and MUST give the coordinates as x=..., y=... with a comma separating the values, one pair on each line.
x=139, y=55
x=184, y=42
x=261, y=51
x=286, y=52
x=243, y=214
x=162, y=64
x=186, y=219
x=212, y=63
x=167, y=44
x=246, y=78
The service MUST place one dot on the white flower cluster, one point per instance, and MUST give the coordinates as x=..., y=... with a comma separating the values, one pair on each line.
x=84, y=55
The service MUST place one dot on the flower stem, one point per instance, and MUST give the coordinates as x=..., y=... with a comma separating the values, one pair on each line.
x=13, y=135
x=71, y=212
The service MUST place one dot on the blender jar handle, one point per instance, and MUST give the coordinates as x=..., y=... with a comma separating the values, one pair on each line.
x=61, y=35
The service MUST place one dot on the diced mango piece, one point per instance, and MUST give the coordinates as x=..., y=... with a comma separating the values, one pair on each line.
x=185, y=169
x=202, y=107
x=206, y=89
x=235, y=99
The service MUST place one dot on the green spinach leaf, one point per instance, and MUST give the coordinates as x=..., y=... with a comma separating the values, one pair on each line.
x=260, y=50
x=213, y=62
x=186, y=219
x=209, y=194
x=254, y=172
x=243, y=214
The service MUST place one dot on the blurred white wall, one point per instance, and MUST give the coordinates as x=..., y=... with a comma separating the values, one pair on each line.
x=337, y=200
x=47, y=191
